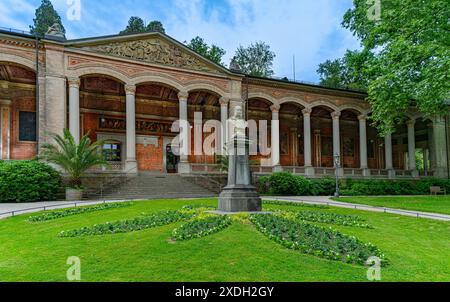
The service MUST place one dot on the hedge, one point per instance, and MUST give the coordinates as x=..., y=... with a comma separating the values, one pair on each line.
x=28, y=181
x=285, y=183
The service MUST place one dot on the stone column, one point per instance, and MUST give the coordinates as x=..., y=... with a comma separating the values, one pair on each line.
x=184, y=166
x=439, y=143
x=309, y=169
x=74, y=108
x=337, y=140
x=223, y=119
x=425, y=161
x=363, y=144
x=131, y=164
x=412, y=148
x=276, y=138
x=388, y=155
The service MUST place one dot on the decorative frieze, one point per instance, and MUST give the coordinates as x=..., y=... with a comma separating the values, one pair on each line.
x=142, y=126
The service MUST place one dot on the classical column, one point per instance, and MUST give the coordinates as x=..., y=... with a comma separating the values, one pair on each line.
x=439, y=148
x=337, y=140
x=412, y=148
x=388, y=155
x=74, y=108
x=276, y=138
x=363, y=144
x=309, y=170
x=425, y=161
x=223, y=119
x=183, y=166
x=131, y=164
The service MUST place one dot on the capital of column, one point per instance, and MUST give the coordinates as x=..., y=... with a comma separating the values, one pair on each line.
x=130, y=89
x=336, y=115
x=275, y=108
x=411, y=123
x=307, y=112
x=224, y=101
x=74, y=82
x=183, y=96
x=362, y=118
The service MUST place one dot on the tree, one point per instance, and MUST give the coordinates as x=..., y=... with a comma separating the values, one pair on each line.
x=74, y=159
x=156, y=26
x=348, y=72
x=135, y=25
x=213, y=52
x=256, y=60
x=46, y=16
x=409, y=40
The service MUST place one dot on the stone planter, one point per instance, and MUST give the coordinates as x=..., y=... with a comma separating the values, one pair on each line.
x=74, y=194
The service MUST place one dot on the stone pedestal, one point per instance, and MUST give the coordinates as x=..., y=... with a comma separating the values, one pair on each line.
x=239, y=195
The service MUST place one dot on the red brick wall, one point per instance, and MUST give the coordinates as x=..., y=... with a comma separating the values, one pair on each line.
x=21, y=150
x=150, y=158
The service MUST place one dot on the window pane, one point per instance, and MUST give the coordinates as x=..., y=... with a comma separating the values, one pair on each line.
x=27, y=126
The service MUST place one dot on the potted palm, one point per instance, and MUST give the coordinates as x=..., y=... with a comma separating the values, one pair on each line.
x=74, y=159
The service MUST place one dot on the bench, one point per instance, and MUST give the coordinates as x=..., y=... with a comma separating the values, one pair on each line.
x=437, y=190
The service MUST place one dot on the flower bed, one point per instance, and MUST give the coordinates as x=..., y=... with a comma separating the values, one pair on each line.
x=76, y=211
x=294, y=204
x=315, y=240
x=132, y=225
x=201, y=227
x=329, y=218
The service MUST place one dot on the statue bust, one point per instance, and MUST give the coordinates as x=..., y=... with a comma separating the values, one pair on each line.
x=56, y=31
x=238, y=122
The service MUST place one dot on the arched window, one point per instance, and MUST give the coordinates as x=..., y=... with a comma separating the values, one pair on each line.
x=112, y=151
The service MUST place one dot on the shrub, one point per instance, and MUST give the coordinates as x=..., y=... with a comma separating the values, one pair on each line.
x=201, y=227
x=283, y=183
x=76, y=211
x=323, y=187
x=314, y=240
x=132, y=225
x=28, y=181
x=328, y=218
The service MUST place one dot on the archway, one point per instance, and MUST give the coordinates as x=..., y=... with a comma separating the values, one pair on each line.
x=322, y=137
x=291, y=135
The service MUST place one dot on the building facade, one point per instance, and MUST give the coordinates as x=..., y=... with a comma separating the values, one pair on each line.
x=130, y=89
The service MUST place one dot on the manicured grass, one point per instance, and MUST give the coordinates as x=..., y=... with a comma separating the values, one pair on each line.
x=418, y=250
x=434, y=204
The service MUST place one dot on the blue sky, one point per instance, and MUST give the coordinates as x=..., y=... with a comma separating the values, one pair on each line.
x=308, y=29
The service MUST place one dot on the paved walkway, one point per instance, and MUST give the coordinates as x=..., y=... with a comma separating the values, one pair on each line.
x=329, y=202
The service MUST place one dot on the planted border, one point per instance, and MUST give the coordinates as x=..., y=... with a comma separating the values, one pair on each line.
x=201, y=227
x=132, y=225
x=294, y=204
x=328, y=218
x=314, y=240
x=76, y=211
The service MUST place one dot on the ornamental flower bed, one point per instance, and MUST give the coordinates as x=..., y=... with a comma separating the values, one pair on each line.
x=132, y=225
x=201, y=227
x=76, y=211
x=314, y=240
x=328, y=218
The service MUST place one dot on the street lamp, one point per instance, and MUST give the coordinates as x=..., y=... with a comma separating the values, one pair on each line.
x=337, y=166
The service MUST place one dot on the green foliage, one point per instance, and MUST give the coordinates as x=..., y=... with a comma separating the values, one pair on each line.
x=201, y=226
x=74, y=159
x=45, y=17
x=410, y=64
x=285, y=183
x=328, y=218
x=76, y=211
x=314, y=240
x=293, y=204
x=137, y=25
x=132, y=225
x=256, y=59
x=213, y=52
x=28, y=181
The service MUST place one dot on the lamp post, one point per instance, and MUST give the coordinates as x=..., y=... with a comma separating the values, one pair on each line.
x=337, y=165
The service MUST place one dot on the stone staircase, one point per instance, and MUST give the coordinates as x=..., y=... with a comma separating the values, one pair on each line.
x=151, y=186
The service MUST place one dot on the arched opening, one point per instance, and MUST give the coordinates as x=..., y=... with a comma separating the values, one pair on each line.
x=291, y=135
x=18, y=117
x=349, y=130
x=322, y=137
x=375, y=147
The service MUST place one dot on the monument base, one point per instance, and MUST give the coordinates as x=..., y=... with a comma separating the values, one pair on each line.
x=239, y=199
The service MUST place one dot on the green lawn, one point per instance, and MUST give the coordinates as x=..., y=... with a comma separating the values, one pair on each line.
x=418, y=250
x=434, y=204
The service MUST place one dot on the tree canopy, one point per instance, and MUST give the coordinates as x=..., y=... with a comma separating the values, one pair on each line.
x=45, y=16
x=213, y=52
x=256, y=59
x=410, y=62
x=137, y=25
